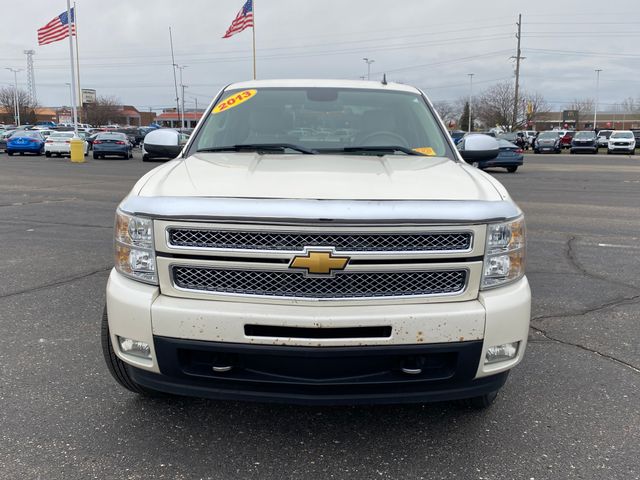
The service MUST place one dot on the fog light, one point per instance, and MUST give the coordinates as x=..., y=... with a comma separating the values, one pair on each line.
x=134, y=347
x=501, y=353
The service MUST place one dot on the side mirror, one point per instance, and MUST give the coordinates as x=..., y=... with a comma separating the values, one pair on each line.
x=477, y=147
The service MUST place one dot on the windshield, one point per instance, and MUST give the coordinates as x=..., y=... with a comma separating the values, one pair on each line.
x=622, y=135
x=506, y=144
x=545, y=135
x=324, y=120
x=21, y=133
x=585, y=135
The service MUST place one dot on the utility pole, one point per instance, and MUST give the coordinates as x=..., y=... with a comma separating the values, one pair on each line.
x=16, y=107
x=518, y=57
x=368, y=62
x=595, y=110
x=182, y=86
x=31, y=79
x=470, y=97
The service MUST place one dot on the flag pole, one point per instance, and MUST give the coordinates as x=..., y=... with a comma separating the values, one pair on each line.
x=74, y=97
x=75, y=22
x=253, y=29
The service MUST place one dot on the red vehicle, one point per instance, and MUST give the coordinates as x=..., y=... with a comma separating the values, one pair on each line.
x=565, y=141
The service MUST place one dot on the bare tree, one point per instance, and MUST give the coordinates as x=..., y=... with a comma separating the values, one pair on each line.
x=629, y=105
x=449, y=112
x=494, y=107
x=103, y=111
x=26, y=108
x=582, y=105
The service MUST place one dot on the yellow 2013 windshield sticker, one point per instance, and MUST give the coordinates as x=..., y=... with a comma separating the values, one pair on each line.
x=234, y=100
x=426, y=151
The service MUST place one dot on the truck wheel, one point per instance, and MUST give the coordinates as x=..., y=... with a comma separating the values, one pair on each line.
x=117, y=368
x=481, y=402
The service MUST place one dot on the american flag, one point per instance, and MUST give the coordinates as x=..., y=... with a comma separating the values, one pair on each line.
x=56, y=29
x=243, y=20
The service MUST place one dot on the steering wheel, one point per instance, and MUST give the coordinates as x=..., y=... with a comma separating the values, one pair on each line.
x=397, y=140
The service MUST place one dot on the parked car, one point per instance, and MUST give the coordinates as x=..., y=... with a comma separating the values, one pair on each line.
x=547, y=142
x=510, y=156
x=636, y=135
x=4, y=135
x=456, y=135
x=565, y=140
x=25, y=141
x=164, y=143
x=132, y=134
x=271, y=266
x=603, y=137
x=622, y=141
x=59, y=143
x=91, y=138
x=584, y=141
x=530, y=136
x=112, y=144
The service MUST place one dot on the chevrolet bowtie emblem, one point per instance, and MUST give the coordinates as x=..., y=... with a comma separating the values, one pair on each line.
x=319, y=262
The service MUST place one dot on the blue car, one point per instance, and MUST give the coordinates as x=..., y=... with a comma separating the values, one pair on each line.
x=24, y=141
x=510, y=157
x=112, y=143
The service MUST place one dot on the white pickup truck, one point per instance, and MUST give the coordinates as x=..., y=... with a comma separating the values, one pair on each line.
x=319, y=242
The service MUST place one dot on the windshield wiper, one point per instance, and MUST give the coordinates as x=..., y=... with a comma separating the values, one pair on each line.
x=260, y=147
x=379, y=150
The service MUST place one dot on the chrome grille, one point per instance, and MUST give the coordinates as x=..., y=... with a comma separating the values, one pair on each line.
x=297, y=285
x=296, y=242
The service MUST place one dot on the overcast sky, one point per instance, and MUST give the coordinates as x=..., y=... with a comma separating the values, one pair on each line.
x=433, y=44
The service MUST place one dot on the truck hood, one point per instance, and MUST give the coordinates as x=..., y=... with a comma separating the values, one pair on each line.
x=342, y=177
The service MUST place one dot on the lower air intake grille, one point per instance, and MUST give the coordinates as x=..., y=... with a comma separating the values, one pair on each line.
x=344, y=285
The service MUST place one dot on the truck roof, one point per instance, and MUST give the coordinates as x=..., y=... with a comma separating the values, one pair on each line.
x=325, y=83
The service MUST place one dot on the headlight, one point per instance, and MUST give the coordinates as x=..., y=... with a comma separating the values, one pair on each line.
x=504, y=259
x=134, y=253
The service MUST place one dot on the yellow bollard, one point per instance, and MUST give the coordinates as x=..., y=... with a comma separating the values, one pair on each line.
x=77, y=150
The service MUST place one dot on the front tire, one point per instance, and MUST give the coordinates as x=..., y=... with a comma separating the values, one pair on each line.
x=512, y=169
x=117, y=368
x=47, y=154
x=9, y=153
x=145, y=158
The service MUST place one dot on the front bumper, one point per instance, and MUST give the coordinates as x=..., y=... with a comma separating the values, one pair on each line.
x=621, y=148
x=308, y=375
x=189, y=337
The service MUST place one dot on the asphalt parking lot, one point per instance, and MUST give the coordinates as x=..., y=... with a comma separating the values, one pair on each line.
x=570, y=410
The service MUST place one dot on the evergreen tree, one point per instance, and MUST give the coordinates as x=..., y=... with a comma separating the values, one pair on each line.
x=463, y=124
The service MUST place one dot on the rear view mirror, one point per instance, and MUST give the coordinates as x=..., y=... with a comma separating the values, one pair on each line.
x=476, y=147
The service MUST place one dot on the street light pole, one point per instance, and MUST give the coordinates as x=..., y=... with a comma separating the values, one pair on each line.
x=16, y=108
x=70, y=93
x=595, y=110
x=470, y=98
x=368, y=62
